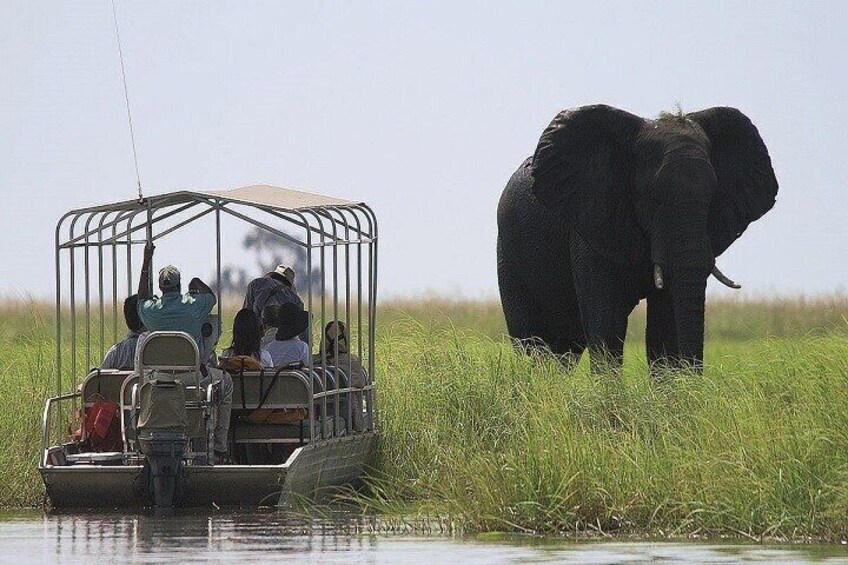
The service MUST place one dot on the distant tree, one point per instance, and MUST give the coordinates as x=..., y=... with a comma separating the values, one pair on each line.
x=269, y=250
x=233, y=280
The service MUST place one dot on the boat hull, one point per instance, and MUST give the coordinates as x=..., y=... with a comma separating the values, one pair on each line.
x=318, y=469
x=312, y=471
x=92, y=486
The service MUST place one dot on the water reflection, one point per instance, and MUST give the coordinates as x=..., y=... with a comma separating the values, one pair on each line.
x=272, y=536
x=186, y=536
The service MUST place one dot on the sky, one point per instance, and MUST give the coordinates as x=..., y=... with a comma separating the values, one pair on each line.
x=423, y=110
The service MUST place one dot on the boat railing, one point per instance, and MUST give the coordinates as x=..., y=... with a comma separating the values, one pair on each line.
x=47, y=425
x=128, y=407
x=312, y=398
x=273, y=390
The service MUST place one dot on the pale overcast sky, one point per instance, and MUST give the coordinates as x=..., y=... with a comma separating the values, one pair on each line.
x=422, y=110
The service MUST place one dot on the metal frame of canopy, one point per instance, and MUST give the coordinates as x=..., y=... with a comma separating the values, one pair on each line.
x=339, y=236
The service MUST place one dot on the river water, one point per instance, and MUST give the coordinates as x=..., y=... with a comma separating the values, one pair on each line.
x=266, y=537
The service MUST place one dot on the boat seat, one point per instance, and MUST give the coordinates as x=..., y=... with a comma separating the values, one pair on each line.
x=288, y=390
x=329, y=373
x=271, y=389
x=296, y=433
x=169, y=351
x=173, y=356
x=283, y=389
x=103, y=382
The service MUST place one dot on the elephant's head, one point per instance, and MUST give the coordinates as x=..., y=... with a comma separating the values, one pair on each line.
x=669, y=194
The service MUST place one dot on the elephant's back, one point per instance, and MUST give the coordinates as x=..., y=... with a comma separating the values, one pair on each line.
x=524, y=223
x=513, y=198
x=534, y=270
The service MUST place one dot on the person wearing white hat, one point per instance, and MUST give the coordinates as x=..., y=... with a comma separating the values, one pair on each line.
x=274, y=288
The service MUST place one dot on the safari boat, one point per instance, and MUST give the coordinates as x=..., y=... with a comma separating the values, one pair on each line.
x=143, y=437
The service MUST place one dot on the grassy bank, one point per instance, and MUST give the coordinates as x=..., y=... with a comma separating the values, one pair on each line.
x=26, y=379
x=493, y=440
x=496, y=441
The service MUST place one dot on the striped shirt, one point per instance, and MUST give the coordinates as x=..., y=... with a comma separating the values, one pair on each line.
x=122, y=354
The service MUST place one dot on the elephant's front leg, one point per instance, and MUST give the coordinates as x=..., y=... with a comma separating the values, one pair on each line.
x=660, y=334
x=606, y=295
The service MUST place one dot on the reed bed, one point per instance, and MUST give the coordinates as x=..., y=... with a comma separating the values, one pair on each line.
x=492, y=440
x=486, y=439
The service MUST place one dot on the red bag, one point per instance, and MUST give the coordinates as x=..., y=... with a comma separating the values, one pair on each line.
x=102, y=425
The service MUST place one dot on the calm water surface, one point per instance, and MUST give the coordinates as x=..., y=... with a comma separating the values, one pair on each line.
x=265, y=537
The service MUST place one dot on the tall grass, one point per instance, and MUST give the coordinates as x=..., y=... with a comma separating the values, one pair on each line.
x=26, y=379
x=493, y=440
x=756, y=446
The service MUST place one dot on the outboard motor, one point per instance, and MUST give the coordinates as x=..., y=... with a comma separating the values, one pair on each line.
x=169, y=365
x=162, y=436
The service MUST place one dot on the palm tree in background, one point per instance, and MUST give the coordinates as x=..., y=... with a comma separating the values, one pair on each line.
x=270, y=250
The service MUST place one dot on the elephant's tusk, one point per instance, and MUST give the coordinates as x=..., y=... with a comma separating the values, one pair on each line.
x=658, y=277
x=723, y=279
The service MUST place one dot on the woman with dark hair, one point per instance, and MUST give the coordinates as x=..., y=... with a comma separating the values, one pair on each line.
x=246, y=345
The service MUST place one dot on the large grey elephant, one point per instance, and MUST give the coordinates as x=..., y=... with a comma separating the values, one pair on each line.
x=613, y=208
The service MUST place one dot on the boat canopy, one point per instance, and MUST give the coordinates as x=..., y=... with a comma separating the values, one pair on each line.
x=98, y=251
x=266, y=195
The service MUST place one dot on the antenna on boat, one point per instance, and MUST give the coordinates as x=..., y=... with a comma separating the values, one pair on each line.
x=127, y=99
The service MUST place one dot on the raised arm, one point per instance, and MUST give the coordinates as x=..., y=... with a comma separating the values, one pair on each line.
x=200, y=287
x=204, y=298
x=144, y=278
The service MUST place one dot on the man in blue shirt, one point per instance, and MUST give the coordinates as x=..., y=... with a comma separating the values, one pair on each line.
x=187, y=313
x=174, y=311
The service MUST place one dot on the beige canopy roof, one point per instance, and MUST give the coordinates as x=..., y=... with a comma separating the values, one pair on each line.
x=278, y=197
x=259, y=194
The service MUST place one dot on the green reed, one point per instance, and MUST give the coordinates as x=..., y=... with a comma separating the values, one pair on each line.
x=487, y=439
x=495, y=440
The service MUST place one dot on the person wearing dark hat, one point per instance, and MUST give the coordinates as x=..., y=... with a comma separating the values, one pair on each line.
x=122, y=354
x=174, y=311
x=288, y=348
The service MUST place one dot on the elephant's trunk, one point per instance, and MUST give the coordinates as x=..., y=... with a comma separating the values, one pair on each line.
x=688, y=296
x=690, y=260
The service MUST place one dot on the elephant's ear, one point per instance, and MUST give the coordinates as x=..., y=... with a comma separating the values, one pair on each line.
x=746, y=186
x=583, y=168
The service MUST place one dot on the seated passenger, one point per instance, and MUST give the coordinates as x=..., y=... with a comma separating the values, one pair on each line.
x=335, y=352
x=269, y=324
x=222, y=420
x=174, y=311
x=187, y=313
x=246, y=344
x=287, y=348
x=122, y=354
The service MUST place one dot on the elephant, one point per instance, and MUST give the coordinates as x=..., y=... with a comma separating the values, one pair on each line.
x=613, y=208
